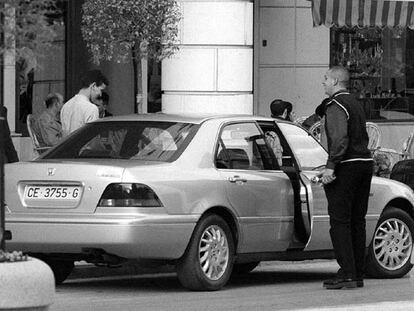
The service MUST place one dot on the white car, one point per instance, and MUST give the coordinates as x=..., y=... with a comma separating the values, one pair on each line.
x=203, y=192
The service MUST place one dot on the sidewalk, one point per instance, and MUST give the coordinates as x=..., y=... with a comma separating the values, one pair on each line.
x=380, y=306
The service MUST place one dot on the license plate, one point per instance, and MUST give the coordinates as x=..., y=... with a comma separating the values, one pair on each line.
x=61, y=193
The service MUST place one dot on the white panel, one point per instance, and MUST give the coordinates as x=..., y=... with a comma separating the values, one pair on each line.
x=312, y=43
x=208, y=103
x=309, y=90
x=277, y=3
x=191, y=70
x=228, y=23
x=235, y=70
x=301, y=86
x=275, y=83
x=277, y=28
x=286, y=3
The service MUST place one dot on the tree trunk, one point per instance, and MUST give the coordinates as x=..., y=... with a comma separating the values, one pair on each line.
x=140, y=82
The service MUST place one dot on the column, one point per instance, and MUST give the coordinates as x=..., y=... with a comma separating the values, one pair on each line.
x=213, y=70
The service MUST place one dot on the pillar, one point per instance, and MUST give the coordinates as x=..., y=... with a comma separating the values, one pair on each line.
x=213, y=70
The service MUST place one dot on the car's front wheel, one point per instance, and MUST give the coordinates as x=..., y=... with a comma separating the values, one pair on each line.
x=208, y=259
x=390, y=250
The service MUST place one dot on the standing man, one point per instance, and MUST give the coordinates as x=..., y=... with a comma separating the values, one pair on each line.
x=50, y=128
x=346, y=178
x=80, y=109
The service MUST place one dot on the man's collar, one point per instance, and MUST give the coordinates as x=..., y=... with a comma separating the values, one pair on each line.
x=345, y=91
x=84, y=96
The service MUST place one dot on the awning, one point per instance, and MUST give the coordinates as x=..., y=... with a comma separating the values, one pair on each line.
x=363, y=13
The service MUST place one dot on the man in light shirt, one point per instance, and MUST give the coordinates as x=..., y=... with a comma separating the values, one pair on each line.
x=80, y=110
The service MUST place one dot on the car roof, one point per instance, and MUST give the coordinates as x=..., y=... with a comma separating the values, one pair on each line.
x=196, y=118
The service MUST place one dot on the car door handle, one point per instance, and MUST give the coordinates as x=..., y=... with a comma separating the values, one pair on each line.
x=236, y=178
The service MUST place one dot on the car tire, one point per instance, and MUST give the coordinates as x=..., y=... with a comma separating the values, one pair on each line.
x=390, y=249
x=61, y=269
x=244, y=268
x=208, y=259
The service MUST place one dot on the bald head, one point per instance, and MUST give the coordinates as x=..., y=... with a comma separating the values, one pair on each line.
x=336, y=79
x=341, y=74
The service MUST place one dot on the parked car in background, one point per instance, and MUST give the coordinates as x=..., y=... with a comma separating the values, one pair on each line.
x=205, y=193
x=403, y=171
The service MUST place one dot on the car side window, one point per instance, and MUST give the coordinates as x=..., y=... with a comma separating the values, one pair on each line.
x=308, y=151
x=242, y=146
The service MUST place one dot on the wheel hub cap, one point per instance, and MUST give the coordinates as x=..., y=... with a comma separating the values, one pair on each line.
x=392, y=244
x=214, y=252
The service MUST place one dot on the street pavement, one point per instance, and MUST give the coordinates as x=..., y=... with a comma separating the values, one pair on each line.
x=271, y=286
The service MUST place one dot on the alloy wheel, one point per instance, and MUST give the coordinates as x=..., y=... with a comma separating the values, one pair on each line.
x=213, y=252
x=392, y=244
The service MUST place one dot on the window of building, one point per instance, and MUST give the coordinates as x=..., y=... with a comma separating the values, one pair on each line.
x=381, y=63
x=35, y=78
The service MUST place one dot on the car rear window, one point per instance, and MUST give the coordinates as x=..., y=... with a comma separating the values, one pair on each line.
x=145, y=140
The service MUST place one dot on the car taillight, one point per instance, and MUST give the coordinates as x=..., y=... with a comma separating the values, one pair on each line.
x=129, y=195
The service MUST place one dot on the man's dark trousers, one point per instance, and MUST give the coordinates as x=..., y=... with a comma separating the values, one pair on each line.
x=348, y=198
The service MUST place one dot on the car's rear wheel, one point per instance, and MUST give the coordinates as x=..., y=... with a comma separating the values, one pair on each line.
x=243, y=268
x=208, y=259
x=390, y=250
x=61, y=268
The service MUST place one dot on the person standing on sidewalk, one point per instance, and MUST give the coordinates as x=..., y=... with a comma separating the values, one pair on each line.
x=80, y=109
x=346, y=178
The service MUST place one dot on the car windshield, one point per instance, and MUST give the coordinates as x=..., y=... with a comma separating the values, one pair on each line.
x=136, y=140
x=309, y=153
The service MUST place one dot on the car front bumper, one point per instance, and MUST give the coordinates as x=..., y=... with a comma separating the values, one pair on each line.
x=146, y=237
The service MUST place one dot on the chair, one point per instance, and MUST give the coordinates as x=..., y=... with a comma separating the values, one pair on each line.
x=406, y=152
x=38, y=147
x=385, y=158
x=374, y=135
x=315, y=130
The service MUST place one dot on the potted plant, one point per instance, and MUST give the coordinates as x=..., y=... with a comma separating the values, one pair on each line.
x=26, y=283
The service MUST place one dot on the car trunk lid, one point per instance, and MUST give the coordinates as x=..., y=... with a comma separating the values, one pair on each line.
x=58, y=186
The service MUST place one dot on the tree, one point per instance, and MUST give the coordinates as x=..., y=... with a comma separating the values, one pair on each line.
x=28, y=29
x=130, y=30
x=27, y=32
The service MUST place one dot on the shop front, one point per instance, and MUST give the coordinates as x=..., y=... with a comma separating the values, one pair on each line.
x=374, y=39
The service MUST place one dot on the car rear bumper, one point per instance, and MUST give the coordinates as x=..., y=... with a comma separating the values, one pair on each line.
x=160, y=237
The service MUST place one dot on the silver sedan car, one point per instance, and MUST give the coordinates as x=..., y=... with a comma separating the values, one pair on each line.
x=214, y=195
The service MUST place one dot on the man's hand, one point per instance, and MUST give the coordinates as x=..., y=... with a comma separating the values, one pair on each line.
x=328, y=176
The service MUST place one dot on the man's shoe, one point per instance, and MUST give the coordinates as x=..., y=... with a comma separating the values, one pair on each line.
x=339, y=283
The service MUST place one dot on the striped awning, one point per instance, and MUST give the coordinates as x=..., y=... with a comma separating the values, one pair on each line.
x=363, y=13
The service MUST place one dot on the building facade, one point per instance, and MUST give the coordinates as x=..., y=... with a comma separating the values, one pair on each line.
x=235, y=56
